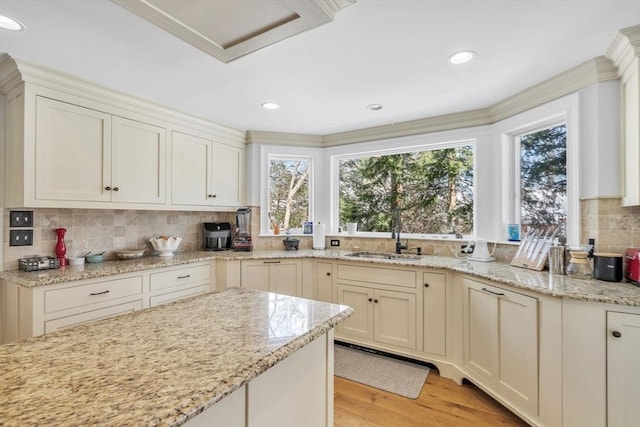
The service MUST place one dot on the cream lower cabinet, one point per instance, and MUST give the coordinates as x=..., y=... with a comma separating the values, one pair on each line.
x=623, y=369
x=434, y=312
x=385, y=306
x=205, y=172
x=175, y=283
x=501, y=342
x=281, y=276
x=324, y=281
x=86, y=155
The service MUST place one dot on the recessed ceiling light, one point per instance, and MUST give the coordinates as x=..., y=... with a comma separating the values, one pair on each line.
x=270, y=106
x=10, y=24
x=374, y=107
x=462, y=57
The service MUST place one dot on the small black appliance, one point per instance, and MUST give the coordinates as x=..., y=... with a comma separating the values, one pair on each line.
x=217, y=236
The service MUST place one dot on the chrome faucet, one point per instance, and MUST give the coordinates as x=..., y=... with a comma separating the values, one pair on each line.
x=399, y=245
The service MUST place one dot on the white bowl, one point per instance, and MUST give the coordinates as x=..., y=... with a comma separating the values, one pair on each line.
x=165, y=247
x=76, y=260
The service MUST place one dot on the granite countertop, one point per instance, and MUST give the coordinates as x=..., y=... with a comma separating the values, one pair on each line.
x=537, y=281
x=156, y=367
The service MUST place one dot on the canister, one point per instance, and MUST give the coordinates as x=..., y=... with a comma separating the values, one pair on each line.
x=607, y=266
x=556, y=259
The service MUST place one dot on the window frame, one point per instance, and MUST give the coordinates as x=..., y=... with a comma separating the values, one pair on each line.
x=561, y=111
x=272, y=152
x=410, y=144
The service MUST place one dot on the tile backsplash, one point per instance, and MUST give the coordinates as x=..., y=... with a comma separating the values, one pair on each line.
x=108, y=230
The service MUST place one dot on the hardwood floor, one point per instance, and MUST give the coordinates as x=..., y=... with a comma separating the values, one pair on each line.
x=441, y=403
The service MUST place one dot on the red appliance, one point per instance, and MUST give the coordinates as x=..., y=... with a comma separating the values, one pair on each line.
x=632, y=272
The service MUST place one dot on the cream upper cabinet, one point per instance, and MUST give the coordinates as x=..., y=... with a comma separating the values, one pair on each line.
x=73, y=152
x=205, y=172
x=623, y=370
x=91, y=156
x=139, y=162
x=501, y=341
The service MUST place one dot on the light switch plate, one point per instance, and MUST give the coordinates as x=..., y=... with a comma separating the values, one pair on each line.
x=20, y=237
x=335, y=242
x=21, y=219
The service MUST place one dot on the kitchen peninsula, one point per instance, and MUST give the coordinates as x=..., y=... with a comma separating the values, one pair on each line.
x=172, y=364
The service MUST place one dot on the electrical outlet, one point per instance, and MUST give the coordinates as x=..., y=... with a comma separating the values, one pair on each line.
x=469, y=249
x=21, y=219
x=20, y=237
x=335, y=242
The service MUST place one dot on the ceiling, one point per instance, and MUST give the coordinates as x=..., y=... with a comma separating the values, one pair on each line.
x=389, y=52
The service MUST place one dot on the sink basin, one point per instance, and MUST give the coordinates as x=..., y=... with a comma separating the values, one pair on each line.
x=384, y=255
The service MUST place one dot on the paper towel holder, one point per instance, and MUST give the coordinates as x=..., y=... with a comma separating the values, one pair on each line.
x=319, y=236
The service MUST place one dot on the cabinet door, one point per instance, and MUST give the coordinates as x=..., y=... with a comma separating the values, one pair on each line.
x=73, y=152
x=227, y=175
x=324, y=282
x=255, y=275
x=395, y=318
x=138, y=162
x=285, y=277
x=360, y=323
x=481, y=330
x=434, y=313
x=190, y=170
x=623, y=369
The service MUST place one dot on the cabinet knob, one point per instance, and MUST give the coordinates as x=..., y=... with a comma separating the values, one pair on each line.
x=107, y=188
x=211, y=196
x=375, y=300
x=616, y=334
x=426, y=285
x=370, y=299
x=328, y=274
x=116, y=189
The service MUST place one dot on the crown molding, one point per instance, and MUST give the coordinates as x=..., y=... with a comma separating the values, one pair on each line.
x=281, y=138
x=14, y=70
x=625, y=48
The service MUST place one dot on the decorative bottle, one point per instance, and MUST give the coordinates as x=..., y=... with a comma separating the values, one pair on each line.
x=61, y=247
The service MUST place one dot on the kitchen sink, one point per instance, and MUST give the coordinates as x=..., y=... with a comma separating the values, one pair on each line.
x=384, y=255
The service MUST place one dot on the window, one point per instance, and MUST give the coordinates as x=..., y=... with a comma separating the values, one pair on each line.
x=289, y=193
x=543, y=178
x=427, y=191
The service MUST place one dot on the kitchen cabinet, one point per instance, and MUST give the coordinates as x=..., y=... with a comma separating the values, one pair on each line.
x=623, y=369
x=434, y=312
x=385, y=306
x=624, y=52
x=205, y=172
x=90, y=156
x=45, y=309
x=172, y=284
x=324, y=282
x=501, y=341
x=282, y=276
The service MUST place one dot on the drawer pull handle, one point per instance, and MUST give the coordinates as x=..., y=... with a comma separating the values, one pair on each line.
x=271, y=262
x=492, y=292
x=616, y=334
x=100, y=293
x=184, y=277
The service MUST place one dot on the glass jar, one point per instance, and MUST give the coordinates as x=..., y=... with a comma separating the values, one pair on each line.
x=579, y=266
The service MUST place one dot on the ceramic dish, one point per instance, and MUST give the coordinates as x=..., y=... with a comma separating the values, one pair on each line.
x=76, y=260
x=130, y=253
x=165, y=246
x=94, y=258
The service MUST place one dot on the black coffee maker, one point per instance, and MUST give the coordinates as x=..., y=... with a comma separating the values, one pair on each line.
x=217, y=236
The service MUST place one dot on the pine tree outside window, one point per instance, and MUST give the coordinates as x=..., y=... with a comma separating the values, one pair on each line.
x=289, y=193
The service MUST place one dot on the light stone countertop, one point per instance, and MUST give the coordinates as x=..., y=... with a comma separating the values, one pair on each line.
x=542, y=282
x=156, y=367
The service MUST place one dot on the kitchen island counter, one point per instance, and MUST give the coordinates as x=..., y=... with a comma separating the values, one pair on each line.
x=161, y=366
x=537, y=281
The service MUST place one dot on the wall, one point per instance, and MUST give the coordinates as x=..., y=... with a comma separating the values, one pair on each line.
x=108, y=230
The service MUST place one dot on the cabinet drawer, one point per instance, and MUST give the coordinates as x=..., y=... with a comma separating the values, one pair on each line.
x=383, y=276
x=90, y=293
x=90, y=316
x=180, y=277
x=177, y=295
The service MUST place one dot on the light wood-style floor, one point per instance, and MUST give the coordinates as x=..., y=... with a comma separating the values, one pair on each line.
x=441, y=403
